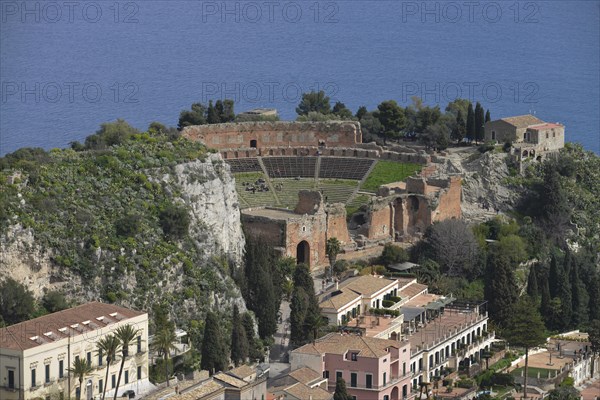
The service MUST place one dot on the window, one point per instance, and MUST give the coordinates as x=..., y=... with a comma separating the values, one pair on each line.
x=384, y=378
x=139, y=373
x=354, y=356
x=113, y=381
x=33, y=377
x=89, y=357
x=353, y=376
x=99, y=357
x=100, y=386
x=139, y=344
x=47, y=373
x=369, y=383
x=76, y=359
x=386, y=397
x=61, y=368
x=326, y=374
x=126, y=376
x=338, y=375
x=11, y=379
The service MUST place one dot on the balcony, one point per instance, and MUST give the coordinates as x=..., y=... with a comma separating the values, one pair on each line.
x=376, y=388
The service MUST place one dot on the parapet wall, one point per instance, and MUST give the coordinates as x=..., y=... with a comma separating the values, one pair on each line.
x=267, y=134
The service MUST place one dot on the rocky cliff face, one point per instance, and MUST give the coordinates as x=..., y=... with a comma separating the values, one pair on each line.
x=484, y=188
x=193, y=275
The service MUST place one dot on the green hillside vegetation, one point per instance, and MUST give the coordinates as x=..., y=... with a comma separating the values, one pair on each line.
x=102, y=213
x=388, y=172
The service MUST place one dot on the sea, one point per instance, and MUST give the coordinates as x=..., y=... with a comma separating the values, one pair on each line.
x=68, y=66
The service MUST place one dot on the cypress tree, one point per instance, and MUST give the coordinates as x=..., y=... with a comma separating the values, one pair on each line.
x=564, y=291
x=212, y=117
x=213, y=349
x=479, y=120
x=298, y=312
x=532, y=283
x=546, y=299
x=578, y=295
x=341, y=393
x=500, y=287
x=554, y=275
x=470, y=123
x=488, y=118
x=239, y=339
x=460, y=130
x=594, y=296
x=219, y=110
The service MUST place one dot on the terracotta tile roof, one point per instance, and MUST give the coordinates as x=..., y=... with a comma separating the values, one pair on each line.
x=522, y=121
x=368, y=285
x=545, y=126
x=230, y=380
x=306, y=375
x=412, y=290
x=301, y=391
x=339, y=300
x=335, y=343
x=208, y=388
x=74, y=321
x=242, y=372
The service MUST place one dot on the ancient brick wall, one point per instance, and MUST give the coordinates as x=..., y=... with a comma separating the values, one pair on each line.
x=449, y=201
x=276, y=134
x=336, y=223
x=379, y=219
x=312, y=230
x=272, y=231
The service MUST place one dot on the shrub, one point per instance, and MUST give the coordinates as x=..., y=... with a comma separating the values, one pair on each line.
x=384, y=311
x=174, y=221
x=503, y=379
x=395, y=299
x=387, y=303
x=484, y=148
x=128, y=226
x=465, y=383
x=393, y=254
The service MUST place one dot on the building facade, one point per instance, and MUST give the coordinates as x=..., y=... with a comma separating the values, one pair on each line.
x=35, y=355
x=374, y=369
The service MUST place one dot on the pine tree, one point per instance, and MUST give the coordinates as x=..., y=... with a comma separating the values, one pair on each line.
x=500, y=287
x=228, y=113
x=255, y=350
x=479, y=120
x=219, y=110
x=526, y=329
x=213, y=349
x=488, y=118
x=470, y=123
x=239, y=339
x=532, y=282
x=341, y=393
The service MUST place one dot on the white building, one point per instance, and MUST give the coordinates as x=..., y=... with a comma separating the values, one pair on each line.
x=35, y=355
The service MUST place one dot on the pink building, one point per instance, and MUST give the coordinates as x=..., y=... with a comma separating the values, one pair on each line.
x=374, y=369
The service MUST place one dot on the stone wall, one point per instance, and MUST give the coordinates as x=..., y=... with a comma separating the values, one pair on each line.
x=265, y=134
x=336, y=223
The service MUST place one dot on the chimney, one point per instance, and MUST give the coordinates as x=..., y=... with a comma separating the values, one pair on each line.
x=337, y=285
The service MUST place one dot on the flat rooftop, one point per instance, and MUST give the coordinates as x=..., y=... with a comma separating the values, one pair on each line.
x=373, y=325
x=440, y=327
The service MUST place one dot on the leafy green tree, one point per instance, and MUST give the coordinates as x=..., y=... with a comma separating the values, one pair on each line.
x=225, y=110
x=126, y=334
x=427, y=116
x=174, y=221
x=393, y=254
x=341, y=393
x=128, y=225
x=195, y=116
x=514, y=247
x=163, y=342
x=342, y=111
x=526, y=329
x=470, y=123
x=458, y=106
x=239, y=339
x=80, y=369
x=314, y=101
x=371, y=127
x=500, y=287
x=54, y=301
x=156, y=128
x=361, y=112
x=213, y=346
x=16, y=301
x=564, y=393
x=108, y=346
x=554, y=275
x=392, y=119
x=110, y=134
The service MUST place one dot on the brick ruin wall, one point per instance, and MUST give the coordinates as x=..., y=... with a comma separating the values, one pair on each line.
x=279, y=134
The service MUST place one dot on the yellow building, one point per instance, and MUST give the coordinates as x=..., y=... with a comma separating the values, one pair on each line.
x=35, y=355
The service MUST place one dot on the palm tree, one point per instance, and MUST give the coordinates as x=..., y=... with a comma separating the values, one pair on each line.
x=125, y=334
x=80, y=369
x=163, y=342
x=108, y=347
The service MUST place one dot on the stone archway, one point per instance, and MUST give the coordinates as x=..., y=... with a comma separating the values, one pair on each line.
x=394, y=395
x=303, y=253
x=89, y=390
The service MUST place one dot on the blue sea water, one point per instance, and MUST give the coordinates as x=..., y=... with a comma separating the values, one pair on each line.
x=66, y=67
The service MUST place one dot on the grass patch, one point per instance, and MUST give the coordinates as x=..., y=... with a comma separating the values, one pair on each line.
x=357, y=203
x=388, y=172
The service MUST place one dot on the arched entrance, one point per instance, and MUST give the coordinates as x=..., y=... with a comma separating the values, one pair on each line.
x=303, y=253
x=394, y=393
x=89, y=390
